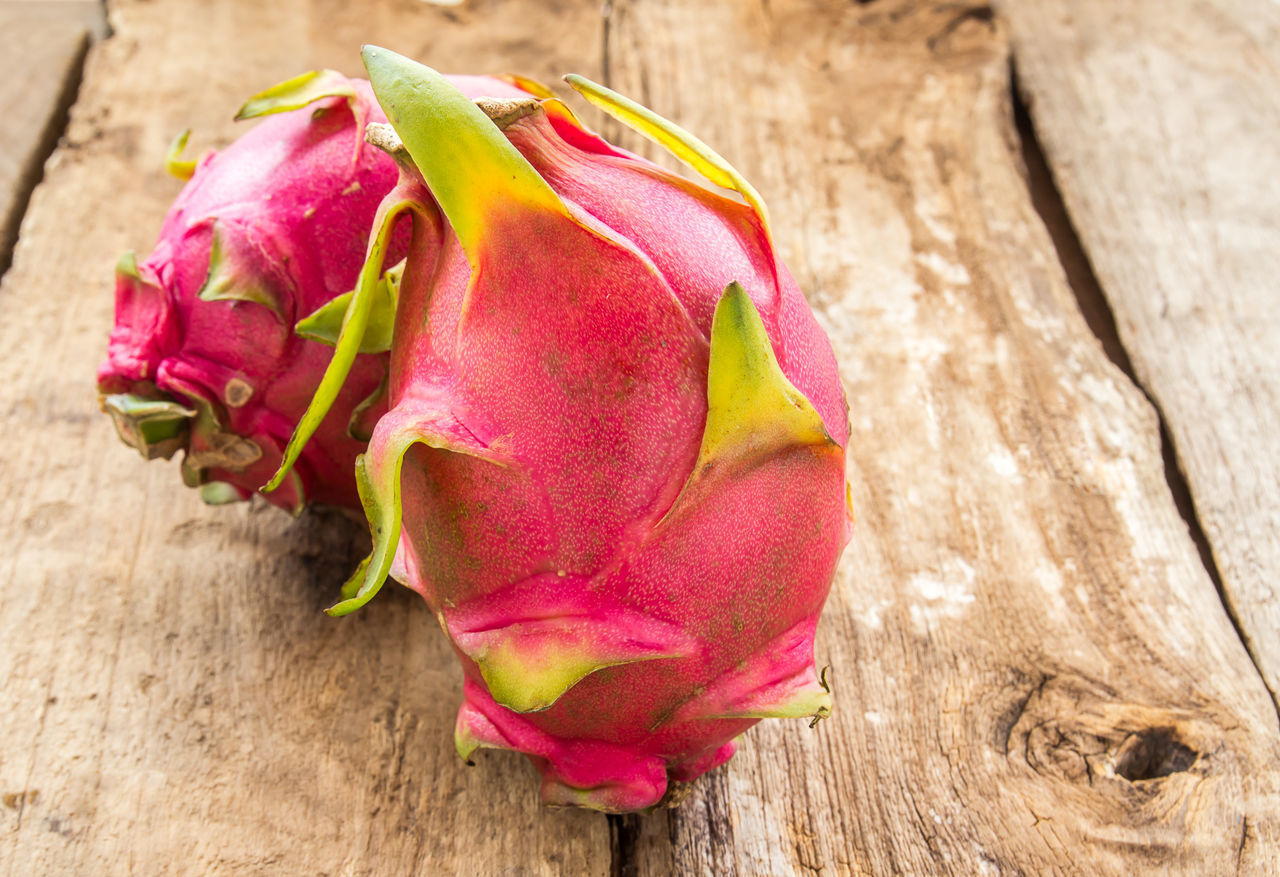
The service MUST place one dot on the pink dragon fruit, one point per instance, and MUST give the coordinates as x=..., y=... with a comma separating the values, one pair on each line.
x=204, y=356
x=615, y=448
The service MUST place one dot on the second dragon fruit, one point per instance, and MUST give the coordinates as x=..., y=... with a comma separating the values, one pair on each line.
x=204, y=357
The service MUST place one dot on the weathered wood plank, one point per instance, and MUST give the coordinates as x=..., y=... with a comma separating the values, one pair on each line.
x=91, y=14
x=1159, y=122
x=1034, y=673
x=174, y=700
x=41, y=52
x=1019, y=618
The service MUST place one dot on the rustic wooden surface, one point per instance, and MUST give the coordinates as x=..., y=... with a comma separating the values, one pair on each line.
x=1033, y=668
x=40, y=65
x=174, y=698
x=1176, y=195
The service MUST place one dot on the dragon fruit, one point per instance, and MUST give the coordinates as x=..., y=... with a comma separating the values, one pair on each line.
x=204, y=356
x=614, y=458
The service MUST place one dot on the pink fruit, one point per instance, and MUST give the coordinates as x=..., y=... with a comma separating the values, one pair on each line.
x=615, y=447
x=204, y=356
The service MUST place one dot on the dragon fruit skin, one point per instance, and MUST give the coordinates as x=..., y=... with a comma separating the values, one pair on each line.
x=204, y=356
x=614, y=457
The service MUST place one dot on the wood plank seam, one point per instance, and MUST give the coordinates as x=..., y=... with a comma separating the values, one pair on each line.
x=1153, y=117
x=1047, y=199
x=33, y=171
x=1098, y=314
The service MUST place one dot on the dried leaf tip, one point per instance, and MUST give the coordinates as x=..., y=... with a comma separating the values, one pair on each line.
x=676, y=140
x=295, y=93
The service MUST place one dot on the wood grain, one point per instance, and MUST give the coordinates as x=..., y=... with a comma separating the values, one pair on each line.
x=1033, y=671
x=42, y=51
x=1159, y=122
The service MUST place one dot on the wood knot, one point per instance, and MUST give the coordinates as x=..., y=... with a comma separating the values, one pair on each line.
x=1152, y=753
x=1083, y=732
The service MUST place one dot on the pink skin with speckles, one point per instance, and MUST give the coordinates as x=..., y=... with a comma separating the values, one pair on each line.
x=614, y=457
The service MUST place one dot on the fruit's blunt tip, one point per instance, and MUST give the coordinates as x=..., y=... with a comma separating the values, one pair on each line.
x=155, y=427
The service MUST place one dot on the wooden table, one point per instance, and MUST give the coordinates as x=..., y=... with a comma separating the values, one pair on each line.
x=1055, y=637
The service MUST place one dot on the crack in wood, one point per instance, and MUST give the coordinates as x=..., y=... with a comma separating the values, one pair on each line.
x=982, y=14
x=1244, y=839
x=624, y=831
x=1048, y=202
x=1006, y=722
x=32, y=172
x=701, y=829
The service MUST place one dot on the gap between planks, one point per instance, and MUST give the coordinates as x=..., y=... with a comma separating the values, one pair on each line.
x=51, y=36
x=47, y=108
x=625, y=830
x=1048, y=202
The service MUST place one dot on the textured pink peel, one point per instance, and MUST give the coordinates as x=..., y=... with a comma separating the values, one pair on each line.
x=638, y=582
x=716, y=240
x=346, y=350
x=691, y=768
